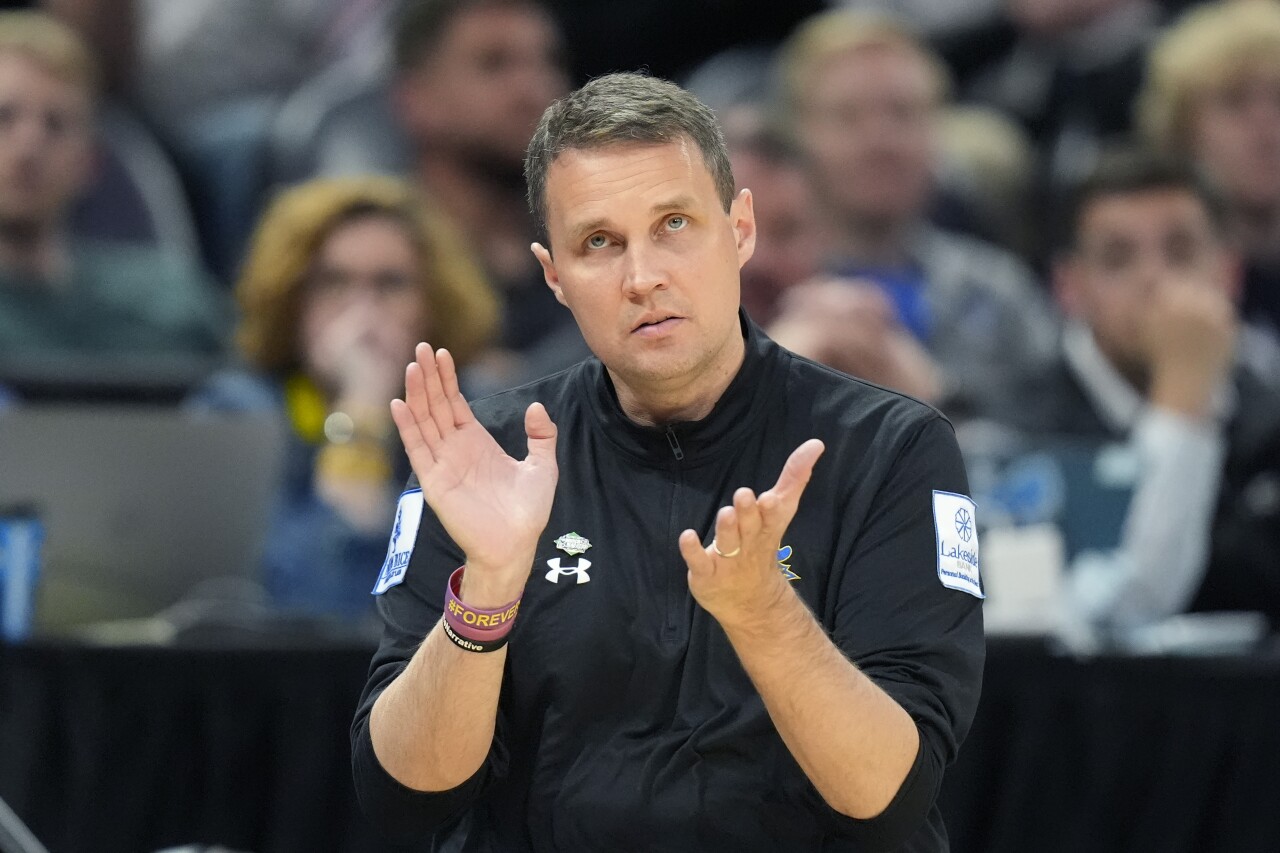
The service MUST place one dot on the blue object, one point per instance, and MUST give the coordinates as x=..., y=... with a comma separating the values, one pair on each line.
x=905, y=289
x=21, y=534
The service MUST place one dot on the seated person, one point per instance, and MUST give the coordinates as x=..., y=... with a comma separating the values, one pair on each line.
x=1212, y=95
x=471, y=79
x=848, y=324
x=343, y=278
x=864, y=97
x=63, y=298
x=1148, y=360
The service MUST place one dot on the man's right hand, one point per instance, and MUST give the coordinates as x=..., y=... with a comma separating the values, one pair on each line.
x=1189, y=336
x=493, y=507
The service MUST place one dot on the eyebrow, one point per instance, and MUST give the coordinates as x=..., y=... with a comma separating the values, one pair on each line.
x=680, y=202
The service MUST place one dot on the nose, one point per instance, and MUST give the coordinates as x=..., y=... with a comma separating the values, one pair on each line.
x=644, y=272
x=1151, y=270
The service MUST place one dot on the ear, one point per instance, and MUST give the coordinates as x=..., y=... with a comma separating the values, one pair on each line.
x=543, y=254
x=742, y=218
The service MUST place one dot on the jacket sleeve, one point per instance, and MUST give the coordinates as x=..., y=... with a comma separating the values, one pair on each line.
x=409, y=610
x=921, y=641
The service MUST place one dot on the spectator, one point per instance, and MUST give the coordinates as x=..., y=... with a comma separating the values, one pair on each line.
x=863, y=95
x=843, y=323
x=933, y=18
x=1213, y=94
x=1147, y=359
x=61, y=296
x=343, y=278
x=473, y=77
x=788, y=245
x=1070, y=73
x=211, y=76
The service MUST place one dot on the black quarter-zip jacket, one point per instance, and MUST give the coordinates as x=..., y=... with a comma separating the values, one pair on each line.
x=626, y=721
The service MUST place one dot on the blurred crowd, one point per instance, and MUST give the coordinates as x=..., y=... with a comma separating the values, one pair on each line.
x=1058, y=221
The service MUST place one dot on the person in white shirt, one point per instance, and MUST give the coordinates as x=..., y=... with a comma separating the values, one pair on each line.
x=1150, y=285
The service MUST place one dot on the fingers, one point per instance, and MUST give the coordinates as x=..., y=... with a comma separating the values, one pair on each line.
x=438, y=404
x=414, y=444
x=541, y=432
x=432, y=395
x=700, y=563
x=415, y=398
x=449, y=380
x=784, y=497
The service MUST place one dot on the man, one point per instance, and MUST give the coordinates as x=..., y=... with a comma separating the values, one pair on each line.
x=1213, y=95
x=864, y=95
x=472, y=79
x=693, y=666
x=63, y=297
x=1149, y=283
x=847, y=324
x=1068, y=71
x=789, y=250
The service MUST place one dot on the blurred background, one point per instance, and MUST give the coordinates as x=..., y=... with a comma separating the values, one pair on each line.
x=225, y=223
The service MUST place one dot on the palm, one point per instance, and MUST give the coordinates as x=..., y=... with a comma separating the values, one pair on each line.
x=493, y=506
x=476, y=489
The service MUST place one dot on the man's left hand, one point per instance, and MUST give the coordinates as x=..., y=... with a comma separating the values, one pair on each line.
x=736, y=579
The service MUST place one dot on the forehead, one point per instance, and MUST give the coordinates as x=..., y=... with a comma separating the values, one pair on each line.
x=378, y=230
x=1145, y=212
x=492, y=26
x=1251, y=67
x=21, y=69
x=871, y=69
x=616, y=181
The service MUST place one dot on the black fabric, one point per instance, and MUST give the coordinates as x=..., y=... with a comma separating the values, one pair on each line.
x=132, y=750
x=1244, y=550
x=626, y=721
x=1262, y=293
x=1117, y=755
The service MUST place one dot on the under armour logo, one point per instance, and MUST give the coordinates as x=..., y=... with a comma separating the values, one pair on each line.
x=580, y=570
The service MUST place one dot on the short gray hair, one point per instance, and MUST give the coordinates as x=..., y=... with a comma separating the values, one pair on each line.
x=620, y=108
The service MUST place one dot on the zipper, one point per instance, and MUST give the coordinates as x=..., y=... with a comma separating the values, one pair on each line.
x=677, y=583
x=674, y=442
x=677, y=580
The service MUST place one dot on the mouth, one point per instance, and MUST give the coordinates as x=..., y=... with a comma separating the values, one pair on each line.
x=656, y=324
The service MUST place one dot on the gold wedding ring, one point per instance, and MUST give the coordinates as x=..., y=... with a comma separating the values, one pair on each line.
x=716, y=548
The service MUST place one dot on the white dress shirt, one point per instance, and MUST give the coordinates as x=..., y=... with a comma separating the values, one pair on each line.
x=1157, y=567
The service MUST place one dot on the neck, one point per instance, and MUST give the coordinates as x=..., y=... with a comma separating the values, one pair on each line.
x=873, y=241
x=29, y=248
x=682, y=400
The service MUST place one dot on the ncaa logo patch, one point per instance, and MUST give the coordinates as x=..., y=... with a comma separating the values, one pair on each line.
x=403, y=536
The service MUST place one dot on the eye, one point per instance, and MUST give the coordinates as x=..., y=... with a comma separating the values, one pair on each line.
x=676, y=222
x=597, y=241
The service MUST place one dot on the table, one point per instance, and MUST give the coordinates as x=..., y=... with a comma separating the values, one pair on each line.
x=130, y=750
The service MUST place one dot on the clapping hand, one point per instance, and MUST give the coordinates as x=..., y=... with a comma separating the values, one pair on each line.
x=494, y=507
x=736, y=579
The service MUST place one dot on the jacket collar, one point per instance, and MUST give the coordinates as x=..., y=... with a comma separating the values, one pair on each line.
x=690, y=443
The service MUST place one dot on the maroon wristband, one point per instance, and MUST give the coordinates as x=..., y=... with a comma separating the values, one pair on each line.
x=474, y=623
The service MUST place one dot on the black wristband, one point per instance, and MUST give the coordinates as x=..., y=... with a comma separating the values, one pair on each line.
x=479, y=646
